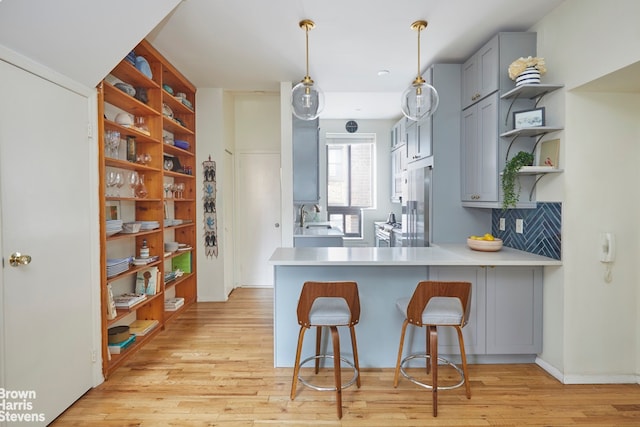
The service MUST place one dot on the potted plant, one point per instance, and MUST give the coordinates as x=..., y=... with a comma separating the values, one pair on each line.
x=510, y=176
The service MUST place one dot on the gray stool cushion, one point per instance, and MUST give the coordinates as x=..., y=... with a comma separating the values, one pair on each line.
x=439, y=310
x=327, y=311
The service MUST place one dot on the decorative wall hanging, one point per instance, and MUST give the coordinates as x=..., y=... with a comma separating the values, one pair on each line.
x=210, y=217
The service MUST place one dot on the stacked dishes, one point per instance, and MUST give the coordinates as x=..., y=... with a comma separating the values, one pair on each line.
x=116, y=266
x=131, y=227
x=148, y=225
x=114, y=226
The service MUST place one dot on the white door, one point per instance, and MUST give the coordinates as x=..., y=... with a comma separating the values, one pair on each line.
x=258, y=226
x=45, y=196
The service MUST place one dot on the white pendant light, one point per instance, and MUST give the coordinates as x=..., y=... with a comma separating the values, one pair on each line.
x=420, y=100
x=307, y=99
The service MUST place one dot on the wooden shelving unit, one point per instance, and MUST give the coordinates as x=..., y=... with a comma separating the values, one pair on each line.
x=169, y=118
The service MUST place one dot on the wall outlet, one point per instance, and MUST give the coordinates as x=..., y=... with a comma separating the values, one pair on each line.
x=503, y=225
x=519, y=226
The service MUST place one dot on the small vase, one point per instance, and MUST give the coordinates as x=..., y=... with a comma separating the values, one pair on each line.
x=529, y=76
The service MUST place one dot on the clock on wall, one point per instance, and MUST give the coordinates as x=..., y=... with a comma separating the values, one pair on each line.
x=351, y=126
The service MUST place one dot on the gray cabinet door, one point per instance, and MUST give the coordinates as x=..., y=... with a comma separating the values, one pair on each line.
x=480, y=73
x=474, y=332
x=514, y=310
x=306, y=157
x=398, y=166
x=480, y=151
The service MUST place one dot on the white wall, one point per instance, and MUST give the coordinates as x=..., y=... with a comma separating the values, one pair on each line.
x=231, y=123
x=589, y=325
x=382, y=129
x=210, y=134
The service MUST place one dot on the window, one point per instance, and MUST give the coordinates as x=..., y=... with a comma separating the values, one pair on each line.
x=350, y=180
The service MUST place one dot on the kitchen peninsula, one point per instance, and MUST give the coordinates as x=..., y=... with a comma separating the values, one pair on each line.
x=505, y=325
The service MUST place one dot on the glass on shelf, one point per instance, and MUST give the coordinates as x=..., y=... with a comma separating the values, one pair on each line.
x=112, y=143
x=133, y=179
x=141, y=189
x=141, y=126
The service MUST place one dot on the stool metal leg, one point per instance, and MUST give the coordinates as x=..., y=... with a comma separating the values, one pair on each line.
x=296, y=366
x=336, y=368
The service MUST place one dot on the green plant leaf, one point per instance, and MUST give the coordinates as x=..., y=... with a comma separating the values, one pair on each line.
x=510, y=178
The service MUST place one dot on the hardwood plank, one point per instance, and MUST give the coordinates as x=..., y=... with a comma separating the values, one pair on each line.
x=213, y=366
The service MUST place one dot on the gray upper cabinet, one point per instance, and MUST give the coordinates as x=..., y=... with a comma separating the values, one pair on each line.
x=486, y=116
x=480, y=151
x=419, y=138
x=480, y=74
x=306, y=157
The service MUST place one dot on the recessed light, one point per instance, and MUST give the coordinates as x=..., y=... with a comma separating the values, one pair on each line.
x=383, y=72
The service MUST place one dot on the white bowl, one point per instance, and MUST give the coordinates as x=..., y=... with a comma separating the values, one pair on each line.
x=124, y=119
x=170, y=246
x=485, y=245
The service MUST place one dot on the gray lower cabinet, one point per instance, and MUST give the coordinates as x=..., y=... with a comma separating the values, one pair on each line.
x=506, y=310
x=514, y=310
x=306, y=158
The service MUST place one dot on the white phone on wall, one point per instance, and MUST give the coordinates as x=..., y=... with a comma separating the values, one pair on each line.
x=607, y=247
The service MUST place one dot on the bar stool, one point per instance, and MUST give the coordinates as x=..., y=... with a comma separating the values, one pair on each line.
x=436, y=304
x=330, y=304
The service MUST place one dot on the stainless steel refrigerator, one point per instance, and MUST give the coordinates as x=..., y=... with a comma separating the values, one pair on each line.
x=416, y=203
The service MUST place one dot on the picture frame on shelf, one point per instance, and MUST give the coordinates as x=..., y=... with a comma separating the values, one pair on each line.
x=112, y=210
x=528, y=118
x=549, y=153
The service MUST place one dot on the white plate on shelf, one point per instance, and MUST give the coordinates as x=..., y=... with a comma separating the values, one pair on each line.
x=186, y=248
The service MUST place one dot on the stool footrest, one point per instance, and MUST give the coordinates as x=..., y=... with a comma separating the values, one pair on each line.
x=328, y=356
x=429, y=386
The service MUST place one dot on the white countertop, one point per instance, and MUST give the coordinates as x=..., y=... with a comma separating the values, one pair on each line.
x=442, y=254
x=317, y=231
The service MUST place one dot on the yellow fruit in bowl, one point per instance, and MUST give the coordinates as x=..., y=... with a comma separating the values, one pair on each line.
x=474, y=237
x=488, y=236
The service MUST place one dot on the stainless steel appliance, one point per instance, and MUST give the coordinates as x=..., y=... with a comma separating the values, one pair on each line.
x=416, y=210
x=385, y=236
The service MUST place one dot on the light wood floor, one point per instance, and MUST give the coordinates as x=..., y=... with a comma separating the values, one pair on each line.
x=213, y=367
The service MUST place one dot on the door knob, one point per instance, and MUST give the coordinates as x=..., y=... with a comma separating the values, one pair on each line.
x=17, y=259
x=277, y=224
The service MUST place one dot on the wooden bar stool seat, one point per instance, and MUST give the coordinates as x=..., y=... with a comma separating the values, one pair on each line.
x=435, y=304
x=328, y=304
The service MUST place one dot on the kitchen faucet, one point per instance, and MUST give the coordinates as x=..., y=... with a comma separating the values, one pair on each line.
x=302, y=214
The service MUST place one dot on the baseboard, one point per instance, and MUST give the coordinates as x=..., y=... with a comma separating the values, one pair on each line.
x=587, y=379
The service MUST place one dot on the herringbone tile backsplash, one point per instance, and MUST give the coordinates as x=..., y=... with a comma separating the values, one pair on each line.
x=542, y=227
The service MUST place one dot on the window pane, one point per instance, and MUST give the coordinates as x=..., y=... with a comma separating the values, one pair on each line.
x=337, y=175
x=361, y=175
x=352, y=225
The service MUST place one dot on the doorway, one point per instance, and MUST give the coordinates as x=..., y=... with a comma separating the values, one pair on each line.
x=258, y=214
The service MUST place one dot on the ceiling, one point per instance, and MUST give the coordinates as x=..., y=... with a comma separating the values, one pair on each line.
x=253, y=45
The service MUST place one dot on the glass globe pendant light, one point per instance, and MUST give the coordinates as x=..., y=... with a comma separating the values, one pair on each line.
x=307, y=99
x=420, y=100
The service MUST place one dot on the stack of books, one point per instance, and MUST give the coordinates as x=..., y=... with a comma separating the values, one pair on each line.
x=172, y=304
x=142, y=327
x=128, y=300
x=117, y=348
